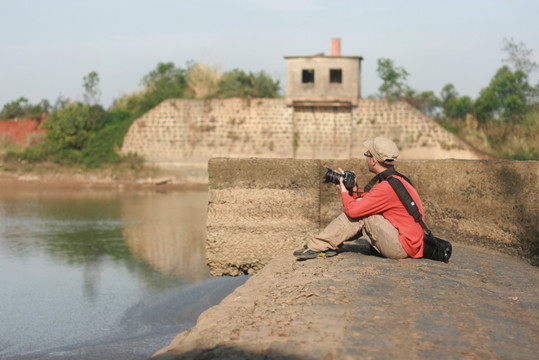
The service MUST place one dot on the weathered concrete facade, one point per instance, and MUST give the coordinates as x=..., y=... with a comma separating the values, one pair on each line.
x=331, y=80
x=190, y=132
x=321, y=80
x=261, y=207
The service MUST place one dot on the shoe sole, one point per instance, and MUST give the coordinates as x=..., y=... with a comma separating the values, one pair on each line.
x=329, y=253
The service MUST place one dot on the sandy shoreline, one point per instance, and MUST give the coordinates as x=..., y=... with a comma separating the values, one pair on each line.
x=57, y=178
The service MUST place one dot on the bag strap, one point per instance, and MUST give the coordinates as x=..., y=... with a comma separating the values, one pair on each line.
x=401, y=192
x=383, y=176
x=408, y=202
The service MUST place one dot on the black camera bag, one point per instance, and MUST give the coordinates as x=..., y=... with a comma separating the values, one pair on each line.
x=434, y=248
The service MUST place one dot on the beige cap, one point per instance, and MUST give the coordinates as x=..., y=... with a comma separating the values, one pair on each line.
x=383, y=149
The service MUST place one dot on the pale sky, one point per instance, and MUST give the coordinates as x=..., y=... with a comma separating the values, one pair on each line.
x=47, y=47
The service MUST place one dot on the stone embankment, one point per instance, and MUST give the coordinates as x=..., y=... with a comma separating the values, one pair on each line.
x=187, y=133
x=483, y=304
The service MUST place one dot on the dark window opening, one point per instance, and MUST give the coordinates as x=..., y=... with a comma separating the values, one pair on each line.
x=335, y=76
x=307, y=76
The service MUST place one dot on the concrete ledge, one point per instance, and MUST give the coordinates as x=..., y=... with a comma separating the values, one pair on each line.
x=260, y=207
x=482, y=305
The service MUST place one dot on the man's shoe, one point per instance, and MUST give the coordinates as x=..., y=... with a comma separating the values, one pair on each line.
x=301, y=250
x=306, y=253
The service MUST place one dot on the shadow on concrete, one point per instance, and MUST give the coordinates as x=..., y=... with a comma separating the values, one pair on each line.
x=512, y=183
x=359, y=246
x=229, y=353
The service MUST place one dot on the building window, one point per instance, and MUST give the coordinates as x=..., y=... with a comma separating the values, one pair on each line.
x=335, y=76
x=307, y=76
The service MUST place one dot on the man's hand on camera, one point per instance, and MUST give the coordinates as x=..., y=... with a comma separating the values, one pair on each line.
x=341, y=183
x=342, y=187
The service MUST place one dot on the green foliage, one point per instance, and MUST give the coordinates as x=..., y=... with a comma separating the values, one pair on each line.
x=81, y=134
x=31, y=154
x=453, y=105
x=503, y=121
x=61, y=102
x=70, y=127
x=91, y=91
x=506, y=97
x=393, y=79
x=22, y=108
x=120, y=121
x=166, y=81
x=237, y=83
x=427, y=102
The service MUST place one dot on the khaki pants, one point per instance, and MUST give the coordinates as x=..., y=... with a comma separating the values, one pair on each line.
x=379, y=231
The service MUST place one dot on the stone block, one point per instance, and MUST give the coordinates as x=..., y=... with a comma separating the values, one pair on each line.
x=258, y=208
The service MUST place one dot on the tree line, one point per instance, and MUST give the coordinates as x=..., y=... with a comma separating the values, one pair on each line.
x=502, y=121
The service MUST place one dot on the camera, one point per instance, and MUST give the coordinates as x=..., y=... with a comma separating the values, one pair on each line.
x=349, y=178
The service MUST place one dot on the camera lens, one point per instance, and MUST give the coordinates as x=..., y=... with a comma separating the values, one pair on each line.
x=332, y=176
x=349, y=178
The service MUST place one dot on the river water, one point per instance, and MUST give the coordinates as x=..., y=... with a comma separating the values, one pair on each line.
x=101, y=275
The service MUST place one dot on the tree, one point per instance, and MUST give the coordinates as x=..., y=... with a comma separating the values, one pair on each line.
x=506, y=97
x=520, y=57
x=165, y=82
x=91, y=91
x=70, y=128
x=453, y=105
x=60, y=103
x=15, y=108
x=393, y=79
x=22, y=108
x=265, y=86
x=237, y=83
x=426, y=102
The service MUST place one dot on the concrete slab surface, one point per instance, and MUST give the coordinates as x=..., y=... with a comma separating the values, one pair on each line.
x=356, y=305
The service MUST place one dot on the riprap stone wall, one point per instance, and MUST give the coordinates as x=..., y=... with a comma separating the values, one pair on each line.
x=187, y=132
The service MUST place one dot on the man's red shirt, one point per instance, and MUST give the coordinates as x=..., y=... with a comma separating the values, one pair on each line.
x=382, y=199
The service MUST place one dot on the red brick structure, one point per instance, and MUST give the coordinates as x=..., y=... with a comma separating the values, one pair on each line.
x=17, y=131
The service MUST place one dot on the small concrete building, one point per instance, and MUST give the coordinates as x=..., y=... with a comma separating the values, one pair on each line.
x=321, y=80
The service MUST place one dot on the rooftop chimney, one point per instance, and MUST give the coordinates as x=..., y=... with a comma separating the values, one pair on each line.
x=336, y=47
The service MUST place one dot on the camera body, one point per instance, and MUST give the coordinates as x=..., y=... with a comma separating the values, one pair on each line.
x=349, y=178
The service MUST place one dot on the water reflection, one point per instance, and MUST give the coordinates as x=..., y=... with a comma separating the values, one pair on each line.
x=79, y=260
x=169, y=239
x=153, y=231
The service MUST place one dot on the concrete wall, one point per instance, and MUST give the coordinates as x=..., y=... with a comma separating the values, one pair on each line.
x=261, y=207
x=188, y=133
x=322, y=89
